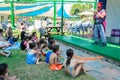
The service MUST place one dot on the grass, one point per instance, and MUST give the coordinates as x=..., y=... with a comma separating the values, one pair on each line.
x=18, y=67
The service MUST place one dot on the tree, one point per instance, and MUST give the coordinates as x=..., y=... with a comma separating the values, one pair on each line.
x=77, y=8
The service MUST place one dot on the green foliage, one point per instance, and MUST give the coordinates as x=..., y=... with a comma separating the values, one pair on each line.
x=77, y=8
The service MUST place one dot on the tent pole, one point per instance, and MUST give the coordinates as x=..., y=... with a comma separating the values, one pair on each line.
x=62, y=18
x=95, y=4
x=55, y=13
x=12, y=15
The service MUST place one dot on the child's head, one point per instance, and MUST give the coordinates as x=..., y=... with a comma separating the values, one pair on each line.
x=23, y=29
x=50, y=47
x=30, y=37
x=9, y=28
x=3, y=69
x=33, y=45
x=34, y=33
x=49, y=38
x=69, y=53
x=21, y=23
x=44, y=46
x=52, y=42
x=42, y=41
x=1, y=31
x=56, y=48
x=15, y=39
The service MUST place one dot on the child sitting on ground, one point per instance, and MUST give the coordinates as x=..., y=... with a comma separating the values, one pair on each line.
x=23, y=44
x=35, y=38
x=33, y=56
x=73, y=66
x=49, y=52
x=3, y=42
x=12, y=40
x=4, y=72
x=53, y=60
x=30, y=40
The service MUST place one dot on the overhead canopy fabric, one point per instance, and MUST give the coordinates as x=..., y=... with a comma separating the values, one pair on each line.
x=66, y=11
x=2, y=8
x=65, y=15
x=37, y=12
x=25, y=10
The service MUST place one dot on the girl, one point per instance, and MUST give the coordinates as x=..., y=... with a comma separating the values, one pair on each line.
x=4, y=72
x=30, y=40
x=73, y=66
x=33, y=55
x=35, y=38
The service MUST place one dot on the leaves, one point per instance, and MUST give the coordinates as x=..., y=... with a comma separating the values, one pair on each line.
x=78, y=8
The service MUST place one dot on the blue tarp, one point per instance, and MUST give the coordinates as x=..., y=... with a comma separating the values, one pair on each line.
x=37, y=12
x=4, y=8
x=65, y=15
x=13, y=47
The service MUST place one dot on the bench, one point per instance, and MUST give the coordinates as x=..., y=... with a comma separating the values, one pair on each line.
x=49, y=29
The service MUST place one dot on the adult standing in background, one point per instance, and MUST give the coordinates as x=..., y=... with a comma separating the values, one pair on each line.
x=9, y=33
x=99, y=25
x=42, y=29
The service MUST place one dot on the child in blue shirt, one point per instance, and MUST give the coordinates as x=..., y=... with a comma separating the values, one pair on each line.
x=33, y=54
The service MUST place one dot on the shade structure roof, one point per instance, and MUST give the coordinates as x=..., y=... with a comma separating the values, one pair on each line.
x=36, y=9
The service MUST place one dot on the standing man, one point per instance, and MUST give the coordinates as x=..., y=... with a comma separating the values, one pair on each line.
x=42, y=29
x=99, y=26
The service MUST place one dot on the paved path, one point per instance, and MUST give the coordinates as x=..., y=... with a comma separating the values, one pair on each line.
x=99, y=69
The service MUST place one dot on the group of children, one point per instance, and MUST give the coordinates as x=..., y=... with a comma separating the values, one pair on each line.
x=35, y=48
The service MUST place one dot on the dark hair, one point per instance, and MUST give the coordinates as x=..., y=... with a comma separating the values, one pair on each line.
x=50, y=47
x=32, y=45
x=50, y=38
x=21, y=23
x=44, y=46
x=33, y=33
x=51, y=42
x=30, y=37
x=55, y=48
x=42, y=41
x=69, y=54
x=14, y=39
x=3, y=67
x=25, y=38
x=1, y=30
